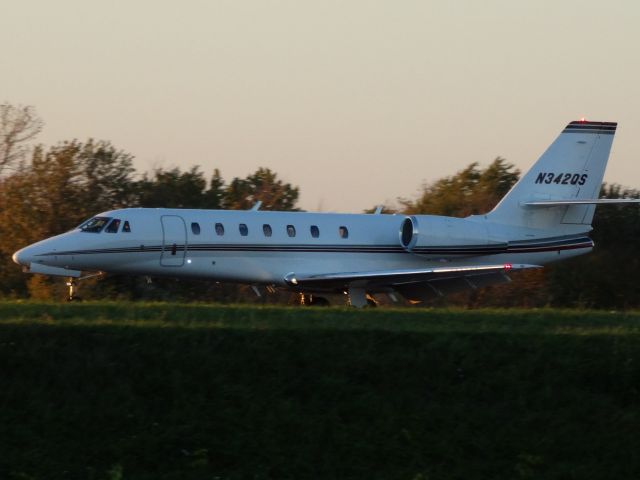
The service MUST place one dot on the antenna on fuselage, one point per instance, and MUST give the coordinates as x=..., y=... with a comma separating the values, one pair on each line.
x=257, y=206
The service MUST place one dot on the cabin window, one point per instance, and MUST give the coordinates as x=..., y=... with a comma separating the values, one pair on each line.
x=291, y=230
x=344, y=232
x=195, y=228
x=126, y=228
x=219, y=229
x=266, y=228
x=113, y=226
x=315, y=231
x=95, y=224
x=244, y=230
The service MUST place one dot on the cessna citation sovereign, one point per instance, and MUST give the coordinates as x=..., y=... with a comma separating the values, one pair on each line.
x=545, y=217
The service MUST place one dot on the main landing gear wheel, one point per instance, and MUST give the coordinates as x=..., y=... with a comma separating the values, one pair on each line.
x=319, y=301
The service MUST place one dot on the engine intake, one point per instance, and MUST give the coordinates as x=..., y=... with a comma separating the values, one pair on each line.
x=408, y=233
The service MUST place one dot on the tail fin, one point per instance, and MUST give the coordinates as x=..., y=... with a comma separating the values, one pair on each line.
x=572, y=168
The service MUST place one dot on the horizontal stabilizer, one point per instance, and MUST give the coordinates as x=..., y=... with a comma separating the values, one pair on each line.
x=597, y=201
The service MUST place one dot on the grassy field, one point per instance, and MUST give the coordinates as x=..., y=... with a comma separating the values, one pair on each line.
x=163, y=391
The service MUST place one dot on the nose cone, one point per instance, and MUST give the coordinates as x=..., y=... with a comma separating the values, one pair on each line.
x=22, y=257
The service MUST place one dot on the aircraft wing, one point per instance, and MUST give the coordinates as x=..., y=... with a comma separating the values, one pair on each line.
x=397, y=279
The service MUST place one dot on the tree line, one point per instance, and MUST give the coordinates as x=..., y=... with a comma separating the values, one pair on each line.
x=45, y=191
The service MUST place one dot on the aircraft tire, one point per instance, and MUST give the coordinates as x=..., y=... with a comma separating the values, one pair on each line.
x=319, y=302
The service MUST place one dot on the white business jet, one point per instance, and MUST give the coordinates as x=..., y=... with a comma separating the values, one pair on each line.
x=544, y=218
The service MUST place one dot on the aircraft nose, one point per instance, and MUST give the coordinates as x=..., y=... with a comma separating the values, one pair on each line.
x=20, y=257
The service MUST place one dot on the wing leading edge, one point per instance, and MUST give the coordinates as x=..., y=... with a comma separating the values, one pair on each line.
x=401, y=279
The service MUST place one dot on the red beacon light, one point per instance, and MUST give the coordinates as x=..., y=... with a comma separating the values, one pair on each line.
x=583, y=120
x=508, y=266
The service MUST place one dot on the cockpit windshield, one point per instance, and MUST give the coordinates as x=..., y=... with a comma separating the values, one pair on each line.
x=113, y=226
x=94, y=225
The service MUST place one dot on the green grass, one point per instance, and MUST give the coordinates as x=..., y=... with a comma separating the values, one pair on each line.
x=165, y=391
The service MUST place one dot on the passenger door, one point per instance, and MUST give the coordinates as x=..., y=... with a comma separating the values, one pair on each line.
x=174, y=241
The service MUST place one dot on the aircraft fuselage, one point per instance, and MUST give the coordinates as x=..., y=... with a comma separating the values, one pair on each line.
x=260, y=247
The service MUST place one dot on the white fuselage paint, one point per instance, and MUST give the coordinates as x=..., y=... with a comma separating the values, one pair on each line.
x=373, y=243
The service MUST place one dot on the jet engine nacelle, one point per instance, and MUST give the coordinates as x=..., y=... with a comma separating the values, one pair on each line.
x=445, y=232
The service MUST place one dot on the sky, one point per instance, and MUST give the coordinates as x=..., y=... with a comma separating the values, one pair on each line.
x=357, y=102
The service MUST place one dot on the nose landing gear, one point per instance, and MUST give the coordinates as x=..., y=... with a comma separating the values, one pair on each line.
x=73, y=286
x=72, y=283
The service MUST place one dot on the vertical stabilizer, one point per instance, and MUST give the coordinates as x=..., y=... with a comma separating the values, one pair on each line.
x=572, y=168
